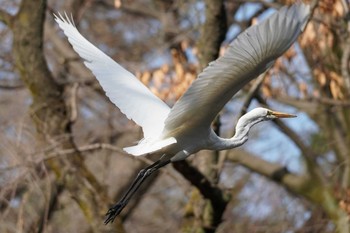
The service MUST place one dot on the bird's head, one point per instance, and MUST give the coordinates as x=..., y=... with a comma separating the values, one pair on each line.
x=266, y=114
x=260, y=114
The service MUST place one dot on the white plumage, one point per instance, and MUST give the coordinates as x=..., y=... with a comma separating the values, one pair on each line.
x=133, y=98
x=185, y=129
x=250, y=54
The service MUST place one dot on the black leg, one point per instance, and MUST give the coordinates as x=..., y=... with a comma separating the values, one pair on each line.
x=113, y=212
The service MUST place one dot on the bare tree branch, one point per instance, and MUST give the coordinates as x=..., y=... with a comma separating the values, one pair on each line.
x=6, y=18
x=216, y=196
x=273, y=171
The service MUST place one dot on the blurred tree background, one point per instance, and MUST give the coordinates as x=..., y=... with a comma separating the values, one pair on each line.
x=61, y=163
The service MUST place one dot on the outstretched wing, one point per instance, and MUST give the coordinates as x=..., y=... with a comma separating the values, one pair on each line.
x=250, y=54
x=133, y=98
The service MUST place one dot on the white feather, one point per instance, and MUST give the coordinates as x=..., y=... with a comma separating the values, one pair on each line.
x=250, y=54
x=133, y=98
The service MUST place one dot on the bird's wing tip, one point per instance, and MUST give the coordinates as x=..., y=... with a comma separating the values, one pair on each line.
x=59, y=18
x=303, y=12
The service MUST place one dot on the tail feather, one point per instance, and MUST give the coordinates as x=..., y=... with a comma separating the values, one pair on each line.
x=145, y=147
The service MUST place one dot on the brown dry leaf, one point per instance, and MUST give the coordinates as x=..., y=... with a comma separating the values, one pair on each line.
x=178, y=57
x=278, y=64
x=342, y=204
x=179, y=70
x=223, y=50
x=117, y=3
x=145, y=77
x=158, y=78
x=255, y=21
x=165, y=68
x=336, y=84
x=336, y=90
x=337, y=78
x=320, y=77
x=175, y=56
x=290, y=53
x=177, y=91
x=266, y=91
x=338, y=9
x=266, y=86
x=316, y=93
x=332, y=7
x=195, y=51
x=290, y=2
x=325, y=6
x=154, y=90
x=327, y=39
x=189, y=78
x=303, y=89
x=309, y=35
x=184, y=45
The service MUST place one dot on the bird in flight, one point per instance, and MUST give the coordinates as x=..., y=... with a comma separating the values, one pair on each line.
x=175, y=133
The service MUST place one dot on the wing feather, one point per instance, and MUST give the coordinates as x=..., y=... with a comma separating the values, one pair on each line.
x=133, y=98
x=250, y=54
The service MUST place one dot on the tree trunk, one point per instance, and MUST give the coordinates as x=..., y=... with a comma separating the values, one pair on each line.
x=50, y=113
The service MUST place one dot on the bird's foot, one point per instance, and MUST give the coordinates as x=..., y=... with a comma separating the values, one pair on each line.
x=113, y=212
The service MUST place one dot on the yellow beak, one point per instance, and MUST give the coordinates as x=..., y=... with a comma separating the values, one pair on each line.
x=282, y=115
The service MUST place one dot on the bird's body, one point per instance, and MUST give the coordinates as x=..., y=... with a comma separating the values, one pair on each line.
x=177, y=132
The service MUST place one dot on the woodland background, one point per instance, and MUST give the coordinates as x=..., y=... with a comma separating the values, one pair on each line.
x=61, y=163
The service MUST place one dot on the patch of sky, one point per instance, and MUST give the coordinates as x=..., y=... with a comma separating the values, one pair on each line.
x=6, y=41
x=154, y=27
x=232, y=175
x=271, y=198
x=191, y=58
x=15, y=202
x=11, y=8
x=84, y=24
x=103, y=15
x=8, y=171
x=139, y=31
x=258, y=206
x=232, y=32
x=105, y=48
x=246, y=11
x=157, y=58
x=296, y=68
x=2, y=26
x=6, y=72
x=303, y=125
x=197, y=11
x=327, y=161
x=10, y=131
x=299, y=62
x=130, y=36
x=86, y=112
x=113, y=15
x=273, y=146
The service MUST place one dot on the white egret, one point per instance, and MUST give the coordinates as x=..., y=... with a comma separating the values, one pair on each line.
x=177, y=132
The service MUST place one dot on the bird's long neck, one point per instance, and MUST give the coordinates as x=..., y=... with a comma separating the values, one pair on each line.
x=240, y=137
x=228, y=143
